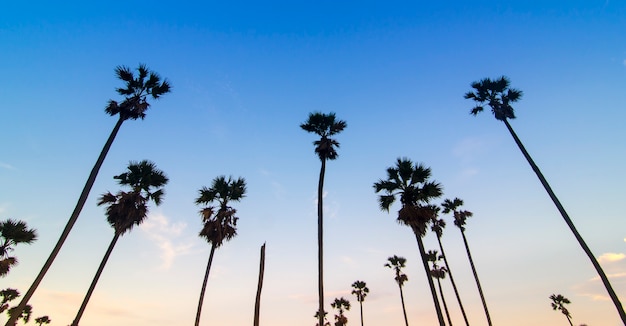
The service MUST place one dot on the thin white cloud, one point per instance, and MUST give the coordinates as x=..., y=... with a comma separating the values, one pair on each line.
x=624, y=62
x=467, y=148
x=610, y=257
x=6, y=166
x=163, y=233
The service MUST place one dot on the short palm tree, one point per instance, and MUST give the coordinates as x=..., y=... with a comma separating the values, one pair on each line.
x=498, y=96
x=459, y=220
x=325, y=126
x=558, y=303
x=43, y=320
x=219, y=223
x=326, y=323
x=13, y=233
x=411, y=183
x=439, y=272
x=7, y=296
x=127, y=209
x=437, y=227
x=341, y=304
x=397, y=264
x=359, y=288
x=134, y=106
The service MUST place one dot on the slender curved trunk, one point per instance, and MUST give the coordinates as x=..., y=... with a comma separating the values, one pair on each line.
x=431, y=284
x=406, y=320
x=443, y=300
x=480, y=289
x=95, y=280
x=569, y=320
x=206, y=278
x=320, y=243
x=257, y=303
x=361, y=305
x=70, y=223
x=456, y=291
x=570, y=224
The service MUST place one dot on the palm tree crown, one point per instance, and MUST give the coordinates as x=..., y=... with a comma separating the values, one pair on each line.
x=397, y=264
x=559, y=302
x=497, y=94
x=13, y=233
x=360, y=290
x=460, y=216
x=324, y=125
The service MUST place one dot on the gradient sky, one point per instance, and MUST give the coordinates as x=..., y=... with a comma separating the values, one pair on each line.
x=244, y=76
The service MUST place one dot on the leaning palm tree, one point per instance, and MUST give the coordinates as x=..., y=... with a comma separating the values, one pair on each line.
x=325, y=126
x=437, y=227
x=341, y=304
x=13, y=233
x=558, y=303
x=459, y=220
x=397, y=264
x=360, y=290
x=411, y=183
x=498, y=96
x=133, y=107
x=127, y=209
x=219, y=223
x=439, y=272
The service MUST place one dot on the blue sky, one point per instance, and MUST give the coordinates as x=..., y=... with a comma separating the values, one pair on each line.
x=244, y=76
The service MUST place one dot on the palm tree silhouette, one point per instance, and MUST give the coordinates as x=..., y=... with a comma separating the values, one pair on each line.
x=13, y=233
x=325, y=126
x=134, y=106
x=341, y=304
x=410, y=182
x=221, y=225
x=360, y=290
x=498, y=96
x=397, y=264
x=459, y=220
x=43, y=320
x=439, y=272
x=127, y=209
x=558, y=303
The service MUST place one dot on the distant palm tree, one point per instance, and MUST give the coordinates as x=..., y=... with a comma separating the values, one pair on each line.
x=24, y=315
x=7, y=295
x=43, y=320
x=220, y=225
x=459, y=220
x=498, y=96
x=13, y=233
x=341, y=304
x=439, y=273
x=326, y=323
x=360, y=290
x=558, y=303
x=397, y=264
x=437, y=227
x=411, y=183
x=127, y=209
x=134, y=106
x=257, y=301
x=325, y=126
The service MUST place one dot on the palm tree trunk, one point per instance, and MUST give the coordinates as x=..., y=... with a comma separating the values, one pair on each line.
x=257, y=303
x=480, y=289
x=568, y=221
x=95, y=280
x=456, y=291
x=361, y=305
x=320, y=243
x=206, y=278
x=406, y=320
x=569, y=320
x=70, y=223
x=431, y=284
x=443, y=299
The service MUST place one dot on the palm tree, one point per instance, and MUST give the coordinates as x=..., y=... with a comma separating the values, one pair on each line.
x=498, y=96
x=341, y=304
x=43, y=320
x=397, y=264
x=257, y=301
x=558, y=303
x=437, y=227
x=439, y=273
x=459, y=220
x=133, y=107
x=326, y=323
x=13, y=233
x=360, y=290
x=325, y=126
x=7, y=295
x=410, y=182
x=218, y=226
x=127, y=209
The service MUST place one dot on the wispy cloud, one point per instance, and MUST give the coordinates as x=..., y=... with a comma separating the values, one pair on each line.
x=624, y=62
x=163, y=233
x=6, y=166
x=610, y=257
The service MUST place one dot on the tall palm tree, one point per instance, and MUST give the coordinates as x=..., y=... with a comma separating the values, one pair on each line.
x=439, y=272
x=133, y=107
x=558, y=303
x=341, y=304
x=359, y=288
x=220, y=225
x=325, y=126
x=127, y=209
x=13, y=233
x=397, y=264
x=257, y=301
x=498, y=96
x=437, y=227
x=459, y=220
x=411, y=183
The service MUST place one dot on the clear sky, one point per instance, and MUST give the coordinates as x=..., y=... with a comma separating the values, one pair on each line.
x=244, y=76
